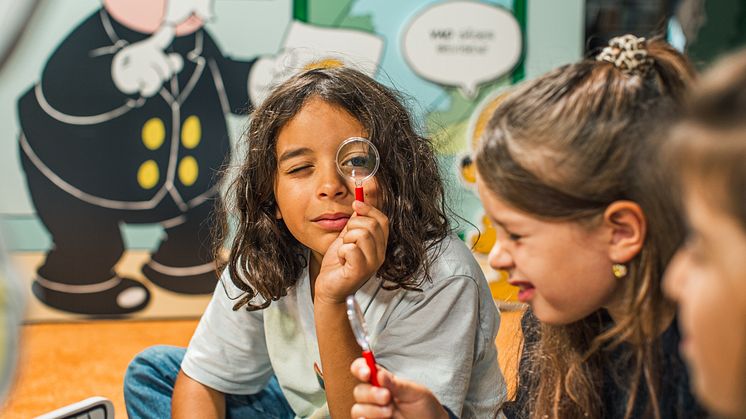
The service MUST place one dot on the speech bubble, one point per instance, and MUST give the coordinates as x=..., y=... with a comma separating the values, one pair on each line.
x=462, y=44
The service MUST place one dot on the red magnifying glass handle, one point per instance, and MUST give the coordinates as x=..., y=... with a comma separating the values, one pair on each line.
x=371, y=361
x=359, y=196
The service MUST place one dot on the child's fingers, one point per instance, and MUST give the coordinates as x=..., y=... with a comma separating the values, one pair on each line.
x=363, y=209
x=367, y=233
x=368, y=224
x=402, y=390
x=368, y=394
x=351, y=255
x=373, y=251
x=371, y=411
x=389, y=381
x=359, y=368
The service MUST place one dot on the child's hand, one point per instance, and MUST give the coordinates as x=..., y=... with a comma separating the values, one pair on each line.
x=396, y=398
x=355, y=255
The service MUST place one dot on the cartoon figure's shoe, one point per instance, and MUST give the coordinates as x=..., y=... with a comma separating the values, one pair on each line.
x=112, y=298
x=193, y=280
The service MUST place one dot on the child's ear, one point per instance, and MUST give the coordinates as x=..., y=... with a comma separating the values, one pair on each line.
x=627, y=224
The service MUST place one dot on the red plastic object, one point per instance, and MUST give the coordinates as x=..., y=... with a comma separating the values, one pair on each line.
x=371, y=361
x=359, y=195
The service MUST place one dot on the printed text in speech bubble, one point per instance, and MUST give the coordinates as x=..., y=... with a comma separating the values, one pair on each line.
x=462, y=44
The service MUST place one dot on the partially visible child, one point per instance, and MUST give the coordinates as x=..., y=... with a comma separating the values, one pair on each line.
x=275, y=340
x=708, y=275
x=566, y=171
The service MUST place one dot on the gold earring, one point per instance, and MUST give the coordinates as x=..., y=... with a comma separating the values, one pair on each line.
x=619, y=270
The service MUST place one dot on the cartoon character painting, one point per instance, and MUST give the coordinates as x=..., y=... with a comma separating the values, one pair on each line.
x=127, y=125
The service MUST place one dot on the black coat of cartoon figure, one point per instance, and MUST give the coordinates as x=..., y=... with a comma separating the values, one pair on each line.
x=96, y=158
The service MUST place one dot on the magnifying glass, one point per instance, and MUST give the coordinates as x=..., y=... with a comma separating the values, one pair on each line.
x=357, y=159
x=357, y=322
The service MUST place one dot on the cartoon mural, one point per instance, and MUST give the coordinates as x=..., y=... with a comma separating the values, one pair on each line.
x=127, y=125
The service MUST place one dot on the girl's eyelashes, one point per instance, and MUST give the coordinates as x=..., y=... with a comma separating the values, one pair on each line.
x=510, y=235
x=298, y=169
x=514, y=237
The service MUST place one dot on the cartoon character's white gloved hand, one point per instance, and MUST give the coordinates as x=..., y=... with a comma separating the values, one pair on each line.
x=269, y=71
x=143, y=67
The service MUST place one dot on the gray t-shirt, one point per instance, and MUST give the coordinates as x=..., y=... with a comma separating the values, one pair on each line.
x=442, y=337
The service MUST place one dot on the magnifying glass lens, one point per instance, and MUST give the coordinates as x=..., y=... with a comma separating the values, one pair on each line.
x=357, y=323
x=357, y=165
x=357, y=159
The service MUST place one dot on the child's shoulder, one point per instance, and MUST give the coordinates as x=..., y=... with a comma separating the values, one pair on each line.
x=452, y=258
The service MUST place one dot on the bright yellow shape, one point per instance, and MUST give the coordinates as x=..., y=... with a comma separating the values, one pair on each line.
x=148, y=174
x=188, y=170
x=469, y=172
x=487, y=237
x=324, y=63
x=153, y=133
x=191, y=132
x=501, y=290
x=484, y=117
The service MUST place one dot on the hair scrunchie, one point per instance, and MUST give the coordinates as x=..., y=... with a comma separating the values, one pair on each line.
x=627, y=53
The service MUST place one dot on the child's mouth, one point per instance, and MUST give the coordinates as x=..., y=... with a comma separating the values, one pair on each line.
x=332, y=222
x=526, y=290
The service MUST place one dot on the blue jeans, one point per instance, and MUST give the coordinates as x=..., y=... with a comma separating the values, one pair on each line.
x=149, y=385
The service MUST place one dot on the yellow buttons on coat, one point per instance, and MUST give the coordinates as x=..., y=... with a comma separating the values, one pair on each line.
x=191, y=135
x=153, y=133
x=191, y=132
x=188, y=170
x=148, y=174
x=153, y=136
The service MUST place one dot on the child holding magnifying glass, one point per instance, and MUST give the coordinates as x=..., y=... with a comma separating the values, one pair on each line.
x=275, y=340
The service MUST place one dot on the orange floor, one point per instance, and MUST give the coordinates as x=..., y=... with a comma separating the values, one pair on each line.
x=65, y=363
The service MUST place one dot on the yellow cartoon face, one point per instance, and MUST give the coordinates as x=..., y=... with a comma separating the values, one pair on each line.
x=477, y=125
x=468, y=172
x=483, y=242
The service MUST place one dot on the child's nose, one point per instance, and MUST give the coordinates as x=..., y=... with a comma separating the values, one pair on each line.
x=331, y=184
x=499, y=258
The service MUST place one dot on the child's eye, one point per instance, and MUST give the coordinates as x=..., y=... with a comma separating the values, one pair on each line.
x=357, y=161
x=514, y=237
x=298, y=169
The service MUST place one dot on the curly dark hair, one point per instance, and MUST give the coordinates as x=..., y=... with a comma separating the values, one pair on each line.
x=265, y=259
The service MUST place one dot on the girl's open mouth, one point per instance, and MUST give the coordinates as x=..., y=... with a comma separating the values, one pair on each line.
x=526, y=290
